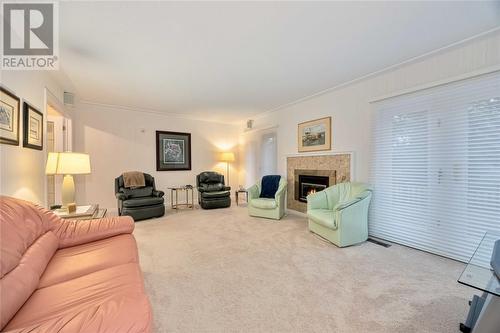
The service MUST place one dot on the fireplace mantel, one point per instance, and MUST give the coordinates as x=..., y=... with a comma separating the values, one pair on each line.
x=336, y=165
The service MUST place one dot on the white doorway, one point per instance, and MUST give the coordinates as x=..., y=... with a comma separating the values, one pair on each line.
x=59, y=139
x=268, y=154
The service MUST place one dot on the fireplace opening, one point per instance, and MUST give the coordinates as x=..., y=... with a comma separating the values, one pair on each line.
x=309, y=184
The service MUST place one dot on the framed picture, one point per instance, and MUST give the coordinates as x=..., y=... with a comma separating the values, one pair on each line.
x=9, y=117
x=32, y=127
x=315, y=135
x=173, y=151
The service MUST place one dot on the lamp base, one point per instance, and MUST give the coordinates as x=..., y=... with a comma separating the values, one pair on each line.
x=68, y=191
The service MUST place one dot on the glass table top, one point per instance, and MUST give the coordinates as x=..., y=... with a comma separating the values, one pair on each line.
x=478, y=272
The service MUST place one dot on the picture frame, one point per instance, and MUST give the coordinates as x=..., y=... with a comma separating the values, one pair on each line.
x=315, y=135
x=9, y=117
x=32, y=127
x=173, y=151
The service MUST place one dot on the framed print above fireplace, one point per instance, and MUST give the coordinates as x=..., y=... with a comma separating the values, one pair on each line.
x=9, y=117
x=315, y=135
x=32, y=127
x=173, y=151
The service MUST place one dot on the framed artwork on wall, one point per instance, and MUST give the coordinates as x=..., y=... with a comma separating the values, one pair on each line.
x=315, y=135
x=32, y=127
x=9, y=117
x=173, y=151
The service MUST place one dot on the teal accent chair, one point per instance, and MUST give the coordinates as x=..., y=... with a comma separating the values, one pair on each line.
x=268, y=208
x=340, y=213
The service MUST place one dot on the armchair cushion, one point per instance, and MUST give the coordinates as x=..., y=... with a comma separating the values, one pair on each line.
x=216, y=194
x=206, y=187
x=141, y=202
x=264, y=203
x=269, y=186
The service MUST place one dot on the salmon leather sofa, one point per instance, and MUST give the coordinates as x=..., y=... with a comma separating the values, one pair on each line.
x=69, y=276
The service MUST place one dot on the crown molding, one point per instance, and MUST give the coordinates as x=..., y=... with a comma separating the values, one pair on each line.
x=186, y=116
x=376, y=73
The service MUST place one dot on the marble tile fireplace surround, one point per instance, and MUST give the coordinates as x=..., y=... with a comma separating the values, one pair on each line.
x=313, y=172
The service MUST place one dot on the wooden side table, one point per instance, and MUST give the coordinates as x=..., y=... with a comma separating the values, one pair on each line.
x=237, y=192
x=174, y=194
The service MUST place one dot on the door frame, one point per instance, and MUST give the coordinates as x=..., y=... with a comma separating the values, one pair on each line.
x=50, y=99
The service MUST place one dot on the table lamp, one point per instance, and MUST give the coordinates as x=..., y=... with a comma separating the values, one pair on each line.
x=227, y=157
x=68, y=164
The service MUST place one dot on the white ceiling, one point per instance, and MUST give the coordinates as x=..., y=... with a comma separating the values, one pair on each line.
x=227, y=61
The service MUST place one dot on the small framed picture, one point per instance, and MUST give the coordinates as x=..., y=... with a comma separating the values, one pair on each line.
x=173, y=151
x=315, y=135
x=9, y=117
x=32, y=127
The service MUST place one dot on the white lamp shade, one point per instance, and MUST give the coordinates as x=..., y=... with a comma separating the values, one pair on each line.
x=51, y=166
x=227, y=157
x=67, y=163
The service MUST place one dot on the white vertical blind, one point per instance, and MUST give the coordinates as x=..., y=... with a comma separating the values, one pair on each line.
x=436, y=167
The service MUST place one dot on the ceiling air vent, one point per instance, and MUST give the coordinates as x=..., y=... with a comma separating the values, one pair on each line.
x=69, y=98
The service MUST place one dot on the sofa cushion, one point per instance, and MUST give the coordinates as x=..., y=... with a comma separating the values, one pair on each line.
x=140, y=202
x=216, y=194
x=76, y=261
x=110, y=300
x=325, y=217
x=264, y=203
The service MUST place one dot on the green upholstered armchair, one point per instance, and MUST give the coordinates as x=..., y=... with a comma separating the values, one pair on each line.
x=340, y=213
x=268, y=208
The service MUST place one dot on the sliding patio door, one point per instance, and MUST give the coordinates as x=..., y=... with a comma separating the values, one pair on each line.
x=436, y=167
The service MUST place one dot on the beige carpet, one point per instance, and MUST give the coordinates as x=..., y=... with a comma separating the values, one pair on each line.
x=223, y=271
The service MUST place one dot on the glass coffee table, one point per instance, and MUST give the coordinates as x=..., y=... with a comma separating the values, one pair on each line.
x=484, y=313
x=174, y=197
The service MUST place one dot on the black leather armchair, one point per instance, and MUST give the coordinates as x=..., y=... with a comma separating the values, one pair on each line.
x=212, y=192
x=142, y=202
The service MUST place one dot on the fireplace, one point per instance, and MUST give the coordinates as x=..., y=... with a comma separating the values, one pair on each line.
x=310, y=184
x=334, y=166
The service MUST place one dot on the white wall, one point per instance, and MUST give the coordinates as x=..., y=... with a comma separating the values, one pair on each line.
x=350, y=108
x=120, y=140
x=23, y=169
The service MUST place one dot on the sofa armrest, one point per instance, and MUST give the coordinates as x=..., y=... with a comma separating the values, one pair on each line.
x=317, y=200
x=253, y=192
x=226, y=188
x=76, y=232
x=158, y=194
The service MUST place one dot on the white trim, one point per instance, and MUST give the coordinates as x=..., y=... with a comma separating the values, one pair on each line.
x=376, y=73
x=461, y=77
x=52, y=100
x=156, y=112
x=256, y=130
